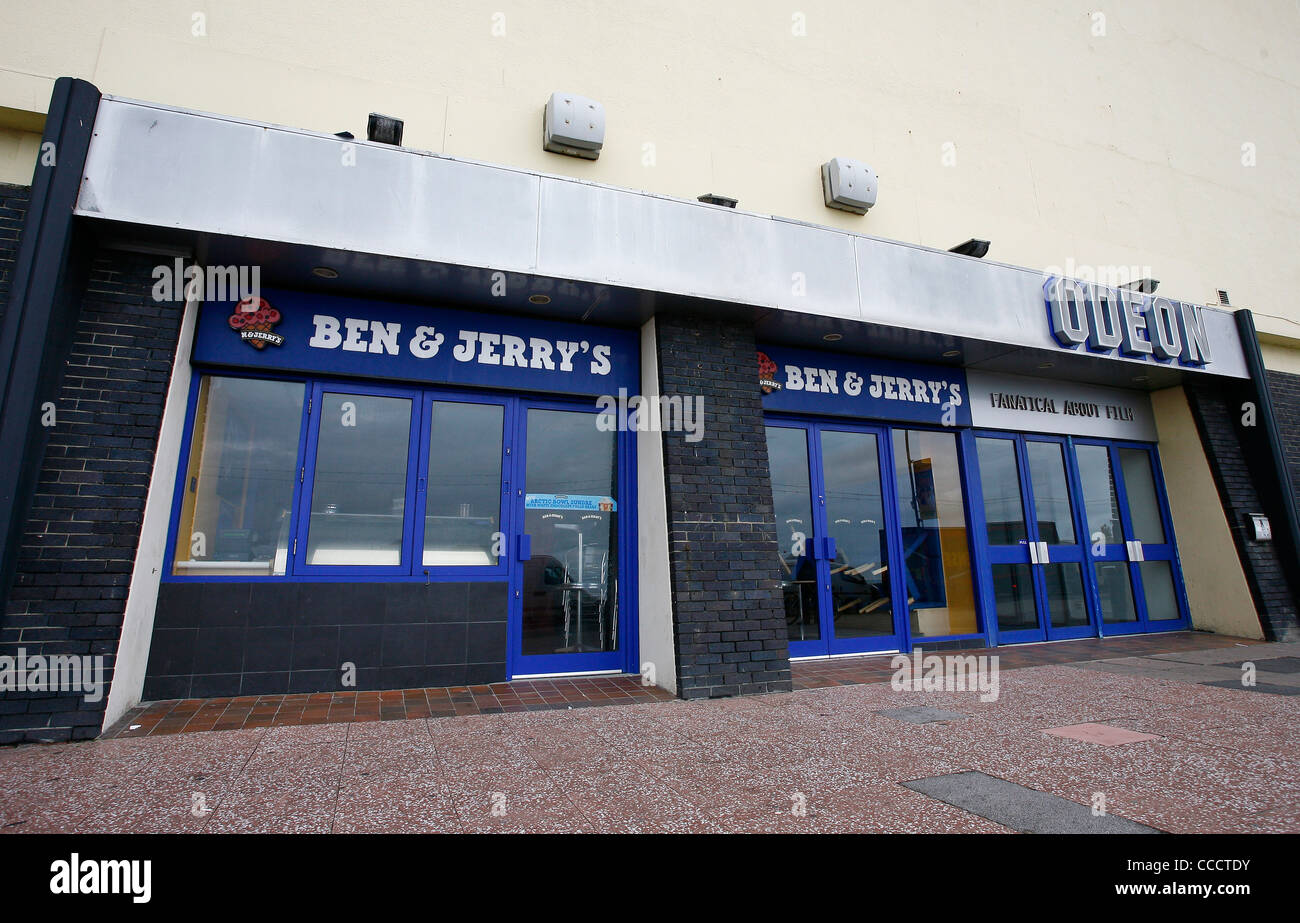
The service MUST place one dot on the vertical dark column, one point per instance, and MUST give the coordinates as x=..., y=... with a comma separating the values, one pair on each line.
x=728, y=613
x=47, y=280
x=1285, y=391
x=1244, y=449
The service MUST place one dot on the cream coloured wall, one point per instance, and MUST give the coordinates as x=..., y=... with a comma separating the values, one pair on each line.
x=1067, y=136
x=1217, y=593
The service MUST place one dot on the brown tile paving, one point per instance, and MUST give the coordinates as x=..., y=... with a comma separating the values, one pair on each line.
x=175, y=717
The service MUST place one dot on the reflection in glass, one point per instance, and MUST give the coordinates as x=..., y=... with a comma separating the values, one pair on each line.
x=1004, y=508
x=1051, y=492
x=1065, y=601
x=935, y=544
x=1100, y=502
x=1115, y=590
x=238, y=488
x=1140, y=486
x=855, y=513
x=1013, y=595
x=787, y=453
x=358, y=501
x=463, y=492
x=1158, y=588
x=570, y=588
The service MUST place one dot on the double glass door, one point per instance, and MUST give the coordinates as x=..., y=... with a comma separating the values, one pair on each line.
x=1078, y=539
x=449, y=487
x=834, y=508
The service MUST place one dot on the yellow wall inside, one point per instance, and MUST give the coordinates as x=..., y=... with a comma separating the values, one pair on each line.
x=1216, y=587
x=1078, y=141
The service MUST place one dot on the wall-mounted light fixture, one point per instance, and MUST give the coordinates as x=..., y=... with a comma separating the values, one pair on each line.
x=384, y=128
x=973, y=247
x=849, y=185
x=1145, y=286
x=573, y=125
x=711, y=199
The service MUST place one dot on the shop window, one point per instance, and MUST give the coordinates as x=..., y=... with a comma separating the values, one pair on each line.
x=936, y=546
x=238, y=488
x=462, y=516
x=358, y=497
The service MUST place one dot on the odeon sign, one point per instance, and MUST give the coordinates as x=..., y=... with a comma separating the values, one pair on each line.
x=1120, y=321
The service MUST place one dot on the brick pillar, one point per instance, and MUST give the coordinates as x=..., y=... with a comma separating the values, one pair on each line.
x=728, y=613
x=79, y=540
x=1236, y=457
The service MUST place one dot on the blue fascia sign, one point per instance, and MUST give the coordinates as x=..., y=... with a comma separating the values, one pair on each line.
x=330, y=334
x=1115, y=321
x=814, y=382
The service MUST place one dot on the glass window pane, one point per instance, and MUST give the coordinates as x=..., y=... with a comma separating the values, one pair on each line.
x=1100, y=502
x=1004, y=508
x=1051, y=492
x=1158, y=588
x=855, y=513
x=358, y=501
x=935, y=544
x=570, y=591
x=1115, y=590
x=1013, y=595
x=239, y=485
x=1065, y=600
x=787, y=455
x=1140, y=485
x=462, y=507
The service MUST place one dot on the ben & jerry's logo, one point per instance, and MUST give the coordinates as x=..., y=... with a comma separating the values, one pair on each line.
x=767, y=374
x=253, y=319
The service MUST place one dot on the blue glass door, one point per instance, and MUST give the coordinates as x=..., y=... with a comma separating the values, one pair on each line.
x=567, y=600
x=1012, y=545
x=832, y=498
x=1135, y=563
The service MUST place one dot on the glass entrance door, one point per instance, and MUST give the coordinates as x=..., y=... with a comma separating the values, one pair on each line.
x=1135, y=565
x=566, y=610
x=1036, y=557
x=833, y=508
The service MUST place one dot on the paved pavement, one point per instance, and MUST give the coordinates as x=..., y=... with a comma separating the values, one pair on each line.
x=1200, y=758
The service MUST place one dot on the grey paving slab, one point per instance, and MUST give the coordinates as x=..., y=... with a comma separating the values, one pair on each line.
x=1021, y=808
x=1165, y=669
x=1268, y=688
x=1286, y=665
x=1233, y=654
x=920, y=714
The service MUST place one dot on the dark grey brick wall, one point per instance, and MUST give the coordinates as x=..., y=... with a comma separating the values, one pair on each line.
x=1236, y=456
x=79, y=541
x=728, y=613
x=228, y=639
x=1285, y=391
x=13, y=209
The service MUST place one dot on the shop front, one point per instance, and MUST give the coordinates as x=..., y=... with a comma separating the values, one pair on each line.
x=417, y=496
x=926, y=504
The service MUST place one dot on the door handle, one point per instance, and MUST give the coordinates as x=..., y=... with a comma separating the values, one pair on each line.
x=524, y=547
x=1044, y=557
x=1135, y=552
x=1033, y=552
x=828, y=547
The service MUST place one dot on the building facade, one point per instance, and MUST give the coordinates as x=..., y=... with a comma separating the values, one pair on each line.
x=291, y=411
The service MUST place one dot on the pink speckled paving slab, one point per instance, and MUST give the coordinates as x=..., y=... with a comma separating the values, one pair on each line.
x=1107, y=735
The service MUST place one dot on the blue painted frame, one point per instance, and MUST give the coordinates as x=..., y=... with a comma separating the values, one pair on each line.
x=1165, y=551
x=1067, y=553
x=624, y=657
x=902, y=639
